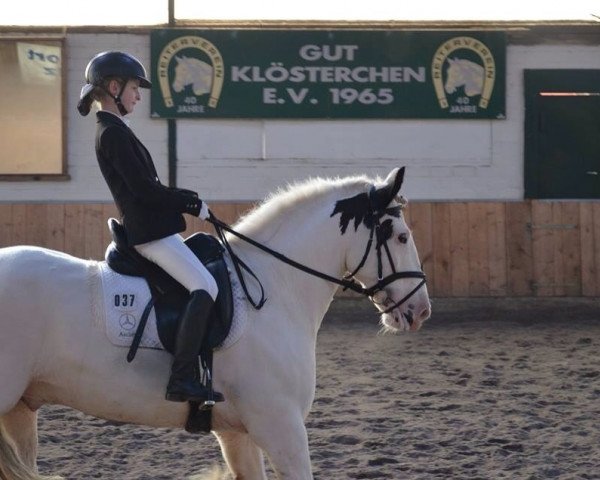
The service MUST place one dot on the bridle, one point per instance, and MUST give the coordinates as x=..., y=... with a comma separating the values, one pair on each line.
x=377, y=232
x=382, y=235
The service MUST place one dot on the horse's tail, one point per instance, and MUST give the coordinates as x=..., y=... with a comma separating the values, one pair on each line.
x=215, y=473
x=11, y=467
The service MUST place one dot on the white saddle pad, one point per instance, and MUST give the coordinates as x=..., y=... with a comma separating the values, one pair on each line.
x=124, y=299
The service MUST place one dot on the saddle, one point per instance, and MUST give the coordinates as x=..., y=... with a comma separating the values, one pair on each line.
x=169, y=298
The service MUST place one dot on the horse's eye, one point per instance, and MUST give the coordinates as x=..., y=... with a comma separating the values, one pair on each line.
x=403, y=238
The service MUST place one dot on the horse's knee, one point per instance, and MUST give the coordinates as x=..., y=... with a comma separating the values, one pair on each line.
x=243, y=457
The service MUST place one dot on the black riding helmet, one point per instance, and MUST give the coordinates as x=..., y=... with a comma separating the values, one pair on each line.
x=110, y=64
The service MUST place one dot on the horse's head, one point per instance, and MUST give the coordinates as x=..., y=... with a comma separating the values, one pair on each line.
x=455, y=76
x=382, y=255
x=182, y=74
x=465, y=73
x=192, y=71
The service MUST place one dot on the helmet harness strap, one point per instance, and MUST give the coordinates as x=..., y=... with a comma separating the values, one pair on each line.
x=117, y=98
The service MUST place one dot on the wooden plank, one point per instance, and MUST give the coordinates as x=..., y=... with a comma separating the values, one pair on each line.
x=479, y=273
x=459, y=252
x=421, y=223
x=442, y=258
x=564, y=227
x=6, y=225
x=74, y=230
x=55, y=227
x=19, y=224
x=519, y=249
x=93, y=219
x=589, y=279
x=569, y=253
x=542, y=240
x=596, y=220
x=591, y=260
x=497, y=257
x=559, y=276
x=35, y=224
x=230, y=213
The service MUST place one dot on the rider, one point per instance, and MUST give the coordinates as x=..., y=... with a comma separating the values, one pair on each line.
x=150, y=212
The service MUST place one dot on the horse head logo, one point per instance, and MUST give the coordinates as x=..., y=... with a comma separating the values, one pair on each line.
x=477, y=78
x=191, y=71
x=205, y=77
x=464, y=73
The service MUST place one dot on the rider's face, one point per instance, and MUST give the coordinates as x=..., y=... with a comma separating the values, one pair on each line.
x=131, y=95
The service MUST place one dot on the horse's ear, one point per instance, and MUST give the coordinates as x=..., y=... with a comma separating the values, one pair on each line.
x=391, y=186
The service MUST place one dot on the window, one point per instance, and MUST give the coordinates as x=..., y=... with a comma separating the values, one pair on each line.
x=31, y=109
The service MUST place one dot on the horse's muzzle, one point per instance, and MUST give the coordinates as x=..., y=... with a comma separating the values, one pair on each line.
x=408, y=317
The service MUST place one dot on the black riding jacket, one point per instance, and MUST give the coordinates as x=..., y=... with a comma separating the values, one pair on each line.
x=148, y=209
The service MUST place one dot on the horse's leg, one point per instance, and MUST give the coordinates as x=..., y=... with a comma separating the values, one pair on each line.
x=282, y=436
x=21, y=425
x=243, y=457
x=11, y=466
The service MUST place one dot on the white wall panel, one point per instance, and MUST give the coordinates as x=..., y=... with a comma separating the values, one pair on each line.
x=241, y=160
x=393, y=140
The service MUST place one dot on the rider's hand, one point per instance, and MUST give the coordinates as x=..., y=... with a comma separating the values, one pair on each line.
x=204, y=211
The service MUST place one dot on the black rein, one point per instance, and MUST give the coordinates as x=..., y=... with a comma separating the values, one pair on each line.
x=348, y=282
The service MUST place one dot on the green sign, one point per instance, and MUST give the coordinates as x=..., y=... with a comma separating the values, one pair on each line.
x=328, y=74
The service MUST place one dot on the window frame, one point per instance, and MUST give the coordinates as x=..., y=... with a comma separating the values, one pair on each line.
x=63, y=175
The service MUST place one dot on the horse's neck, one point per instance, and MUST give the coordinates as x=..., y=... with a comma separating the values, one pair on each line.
x=310, y=237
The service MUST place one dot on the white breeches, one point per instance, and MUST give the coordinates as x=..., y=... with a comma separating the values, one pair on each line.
x=175, y=258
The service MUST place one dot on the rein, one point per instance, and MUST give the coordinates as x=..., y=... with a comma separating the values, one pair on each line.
x=348, y=282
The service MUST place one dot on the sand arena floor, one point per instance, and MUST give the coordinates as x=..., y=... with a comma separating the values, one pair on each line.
x=486, y=390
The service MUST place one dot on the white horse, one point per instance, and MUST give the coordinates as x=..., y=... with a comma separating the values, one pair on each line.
x=464, y=73
x=53, y=352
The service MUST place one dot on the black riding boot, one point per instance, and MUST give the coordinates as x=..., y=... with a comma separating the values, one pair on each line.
x=184, y=384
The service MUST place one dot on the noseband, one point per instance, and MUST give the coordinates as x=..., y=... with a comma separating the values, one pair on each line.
x=377, y=231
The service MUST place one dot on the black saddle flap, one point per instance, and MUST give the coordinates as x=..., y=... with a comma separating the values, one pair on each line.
x=206, y=247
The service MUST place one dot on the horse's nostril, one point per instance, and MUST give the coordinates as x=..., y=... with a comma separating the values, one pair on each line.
x=425, y=314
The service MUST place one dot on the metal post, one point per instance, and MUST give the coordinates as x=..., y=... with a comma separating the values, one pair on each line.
x=172, y=151
x=171, y=124
x=171, y=13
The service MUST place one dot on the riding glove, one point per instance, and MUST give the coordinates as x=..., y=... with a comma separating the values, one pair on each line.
x=204, y=212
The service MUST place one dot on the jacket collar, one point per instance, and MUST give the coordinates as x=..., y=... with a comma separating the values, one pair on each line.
x=109, y=117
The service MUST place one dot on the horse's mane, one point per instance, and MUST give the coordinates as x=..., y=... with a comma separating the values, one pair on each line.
x=296, y=196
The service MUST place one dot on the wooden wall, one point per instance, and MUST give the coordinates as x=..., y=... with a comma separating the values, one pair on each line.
x=469, y=249
x=500, y=249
